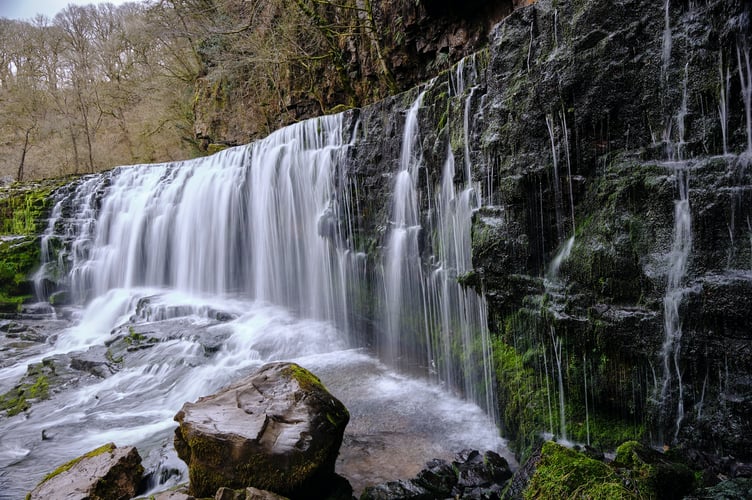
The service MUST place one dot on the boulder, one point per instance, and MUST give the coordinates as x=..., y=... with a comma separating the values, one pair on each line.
x=106, y=473
x=278, y=430
x=654, y=474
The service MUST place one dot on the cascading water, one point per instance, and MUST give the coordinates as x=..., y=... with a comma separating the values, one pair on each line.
x=678, y=260
x=218, y=265
x=431, y=318
x=403, y=275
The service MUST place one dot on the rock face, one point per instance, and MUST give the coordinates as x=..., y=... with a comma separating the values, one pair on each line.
x=107, y=473
x=278, y=430
x=585, y=127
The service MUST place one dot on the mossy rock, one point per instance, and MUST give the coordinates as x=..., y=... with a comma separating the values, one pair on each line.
x=278, y=430
x=19, y=398
x=19, y=257
x=567, y=474
x=653, y=473
x=105, y=473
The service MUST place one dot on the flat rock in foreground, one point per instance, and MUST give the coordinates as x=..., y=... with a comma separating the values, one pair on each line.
x=106, y=473
x=278, y=430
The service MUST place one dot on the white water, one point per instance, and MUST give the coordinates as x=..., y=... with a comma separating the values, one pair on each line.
x=557, y=345
x=136, y=405
x=672, y=388
x=723, y=104
x=666, y=49
x=243, y=258
x=452, y=335
x=678, y=260
x=403, y=275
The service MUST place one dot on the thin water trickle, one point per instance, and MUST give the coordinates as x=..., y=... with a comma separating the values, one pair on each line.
x=557, y=345
x=723, y=103
x=745, y=78
x=403, y=277
x=587, y=409
x=678, y=260
x=563, y=118
x=557, y=183
x=666, y=48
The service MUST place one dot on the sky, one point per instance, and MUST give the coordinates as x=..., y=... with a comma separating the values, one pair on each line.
x=27, y=9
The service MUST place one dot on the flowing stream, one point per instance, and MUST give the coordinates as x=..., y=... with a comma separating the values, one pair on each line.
x=187, y=276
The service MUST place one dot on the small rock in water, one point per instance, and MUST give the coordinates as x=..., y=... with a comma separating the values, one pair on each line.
x=107, y=472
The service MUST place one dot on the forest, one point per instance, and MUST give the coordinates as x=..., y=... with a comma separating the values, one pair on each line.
x=104, y=85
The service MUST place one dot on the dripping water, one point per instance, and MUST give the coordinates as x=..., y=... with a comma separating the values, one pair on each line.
x=723, y=104
x=678, y=260
x=666, y=49
x=745, y=78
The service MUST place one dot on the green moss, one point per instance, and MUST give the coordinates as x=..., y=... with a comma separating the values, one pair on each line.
x=566, y=474
x=653, y=474
x=207, y=451
x=40, y=388
x=626, y=454
x=339, y=108
x=134, y=338
x=22, y=208
x=15, y=400
x=111, y=357
x=18, y=259
x=307, y=380
x=23, y=211
x=521, y=400
x=215, y=148
x=605, y=432
x=107, y=448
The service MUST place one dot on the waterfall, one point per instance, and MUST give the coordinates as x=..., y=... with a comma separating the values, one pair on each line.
x=274, y=222
x=557, y=183
x=403, y=276
x=678, y=260
x=259, y=221
x=256, y=254
x=430, y=318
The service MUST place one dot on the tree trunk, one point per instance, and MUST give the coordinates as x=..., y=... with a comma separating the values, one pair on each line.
x=20, y=172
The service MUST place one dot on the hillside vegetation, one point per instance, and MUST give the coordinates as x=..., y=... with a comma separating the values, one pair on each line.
x=99, y=86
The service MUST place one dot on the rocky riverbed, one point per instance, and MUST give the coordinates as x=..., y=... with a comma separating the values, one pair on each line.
x=125, y=386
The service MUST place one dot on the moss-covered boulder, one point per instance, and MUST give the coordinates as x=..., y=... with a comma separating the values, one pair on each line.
x=564, y=473
x=106, y=473
x=652, y=473
x=278, y=430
